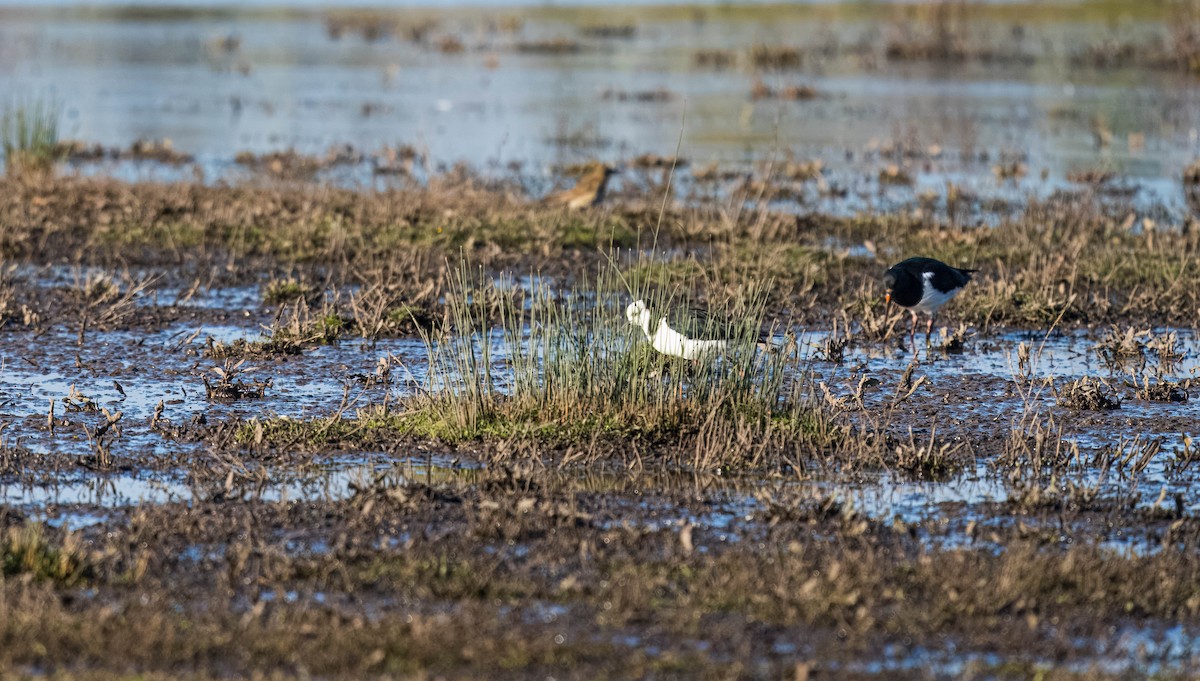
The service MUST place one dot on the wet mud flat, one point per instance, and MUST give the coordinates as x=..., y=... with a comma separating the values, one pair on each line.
x=293, y=403
x=505, y=558
x=256, y=462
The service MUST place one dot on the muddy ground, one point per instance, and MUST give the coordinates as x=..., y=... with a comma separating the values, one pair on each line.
x=980, y=513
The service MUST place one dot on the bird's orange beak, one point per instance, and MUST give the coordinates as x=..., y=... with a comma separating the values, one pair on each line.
x=887, y=297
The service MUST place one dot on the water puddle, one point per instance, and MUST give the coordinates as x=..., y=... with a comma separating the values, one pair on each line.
x=133, y=372
x=333, y=480
x=1128, y=650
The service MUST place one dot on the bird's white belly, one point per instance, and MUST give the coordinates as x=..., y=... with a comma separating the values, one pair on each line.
x=932, y=299
x=668, y=341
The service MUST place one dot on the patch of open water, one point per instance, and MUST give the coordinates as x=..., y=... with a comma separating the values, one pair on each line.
x=329, y=480
x=286, y=83
x=157, y=366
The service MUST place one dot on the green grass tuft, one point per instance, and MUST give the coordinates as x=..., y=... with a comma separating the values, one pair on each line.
x=535, y=363
x=28, y=551
x=29, y=137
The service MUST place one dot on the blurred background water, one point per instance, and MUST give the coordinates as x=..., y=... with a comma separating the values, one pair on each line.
x=537, y=87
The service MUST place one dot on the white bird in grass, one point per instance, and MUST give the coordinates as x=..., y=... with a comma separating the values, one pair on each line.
x=692, y=336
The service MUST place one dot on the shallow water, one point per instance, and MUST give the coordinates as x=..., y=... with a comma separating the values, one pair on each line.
x=1130, y=651
x=166, y=365
x=975, y=508
x=288, y=84
x=331, y=480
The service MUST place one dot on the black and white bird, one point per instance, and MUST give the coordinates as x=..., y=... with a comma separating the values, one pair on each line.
x=924, y=285
x=691, y=333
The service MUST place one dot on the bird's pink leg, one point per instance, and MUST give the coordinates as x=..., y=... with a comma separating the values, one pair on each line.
x=912, y=332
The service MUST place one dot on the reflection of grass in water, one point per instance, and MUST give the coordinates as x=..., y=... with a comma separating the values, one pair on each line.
x=29, y=136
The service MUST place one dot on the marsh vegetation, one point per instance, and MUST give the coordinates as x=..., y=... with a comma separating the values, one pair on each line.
x=275, y=420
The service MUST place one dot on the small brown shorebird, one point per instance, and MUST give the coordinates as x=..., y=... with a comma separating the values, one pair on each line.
x=589, y=191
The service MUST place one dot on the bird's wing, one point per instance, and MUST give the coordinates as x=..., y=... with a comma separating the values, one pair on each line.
x=956, y=278
x=588, y=185
x=943, y=277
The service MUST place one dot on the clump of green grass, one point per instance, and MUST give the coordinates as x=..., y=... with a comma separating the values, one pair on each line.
x=288, y=290
x=581, y=365
x=27, y=550
x=242, y=348
x=574, y=355
x=567, y=367
x=29, y=136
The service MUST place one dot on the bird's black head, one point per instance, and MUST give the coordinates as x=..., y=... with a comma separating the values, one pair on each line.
x=902, y=286
x=889, y=283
